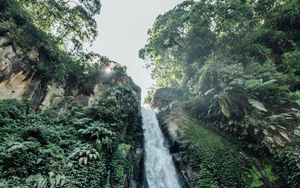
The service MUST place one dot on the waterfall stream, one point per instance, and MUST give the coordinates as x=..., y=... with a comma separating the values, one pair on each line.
x=159, y=166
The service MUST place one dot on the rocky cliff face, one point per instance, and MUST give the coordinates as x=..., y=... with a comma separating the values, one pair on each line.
x=17, y=79
x=21, y=78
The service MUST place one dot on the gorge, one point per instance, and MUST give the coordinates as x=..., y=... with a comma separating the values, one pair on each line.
x=226, y=98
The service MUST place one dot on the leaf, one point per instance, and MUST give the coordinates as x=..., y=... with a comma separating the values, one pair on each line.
x=80, y=161
x=225, y=110
x=63, y=181
x=267, y=83
x=51, y=174
x=251, y=84
x=258, y=105
x=42, y=183
x=59, y=180
x=285, y=135
x=269, y=139
x=297, y=132
x=85, y=160
x=281, y=127
x=209, y=91
x=278, y=141
x=17, y=146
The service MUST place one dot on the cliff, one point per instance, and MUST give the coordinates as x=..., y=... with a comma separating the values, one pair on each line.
x=64, y=122
x=20, y=76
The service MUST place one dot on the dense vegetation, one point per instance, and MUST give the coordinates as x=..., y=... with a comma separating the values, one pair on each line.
x=232, y=64
x=68, y=145
x=238, y=65
x=209, y=160
x=76, y=142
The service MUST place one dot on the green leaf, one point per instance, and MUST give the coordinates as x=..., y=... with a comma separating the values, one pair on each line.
x=258, y=105
x=225, y=110
x=253, y=83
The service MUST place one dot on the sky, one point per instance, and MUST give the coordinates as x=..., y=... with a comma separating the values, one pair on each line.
x=122, y=27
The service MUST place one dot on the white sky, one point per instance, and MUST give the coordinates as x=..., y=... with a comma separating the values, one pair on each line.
x=123, y=26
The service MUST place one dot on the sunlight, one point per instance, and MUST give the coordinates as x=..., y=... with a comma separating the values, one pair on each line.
x=108, y=70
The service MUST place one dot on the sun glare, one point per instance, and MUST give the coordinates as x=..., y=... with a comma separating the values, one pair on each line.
x=108, y=70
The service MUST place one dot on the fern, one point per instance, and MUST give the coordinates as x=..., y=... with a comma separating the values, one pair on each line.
x=84, y=154
x=52, y=181
x=98, y=131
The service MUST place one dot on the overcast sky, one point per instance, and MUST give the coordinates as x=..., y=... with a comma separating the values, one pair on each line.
x=123, y=26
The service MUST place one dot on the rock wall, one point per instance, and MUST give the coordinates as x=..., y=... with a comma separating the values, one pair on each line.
x=19, y=79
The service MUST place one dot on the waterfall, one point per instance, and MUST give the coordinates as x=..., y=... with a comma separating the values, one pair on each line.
x=159, y=166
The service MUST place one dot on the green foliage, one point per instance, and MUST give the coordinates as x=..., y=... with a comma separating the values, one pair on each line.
x=91, y=175
x=270, y=174
x=217, y=161
x=292, y=61
x=71, y=23
x=56, y=31
x=258, y=105
x=118, y=97
x=120, y=165
x=71, y=144
x=84, y=155
x=256, y=182
x=149, y=97
x=96, y=131
x=295, y=95
x=12, y=109
x=238, y=63
x=206, y=178
x=38, y=181
x=61, y=148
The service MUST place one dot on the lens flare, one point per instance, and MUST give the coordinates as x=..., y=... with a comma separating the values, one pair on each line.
x=108, y=70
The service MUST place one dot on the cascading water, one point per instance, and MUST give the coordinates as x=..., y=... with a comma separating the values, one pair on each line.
x=160, y=168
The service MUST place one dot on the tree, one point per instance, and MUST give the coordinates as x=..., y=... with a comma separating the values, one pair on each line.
x=71, y=22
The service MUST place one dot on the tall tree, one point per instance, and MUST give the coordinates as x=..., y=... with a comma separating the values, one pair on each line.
x=71, y=22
